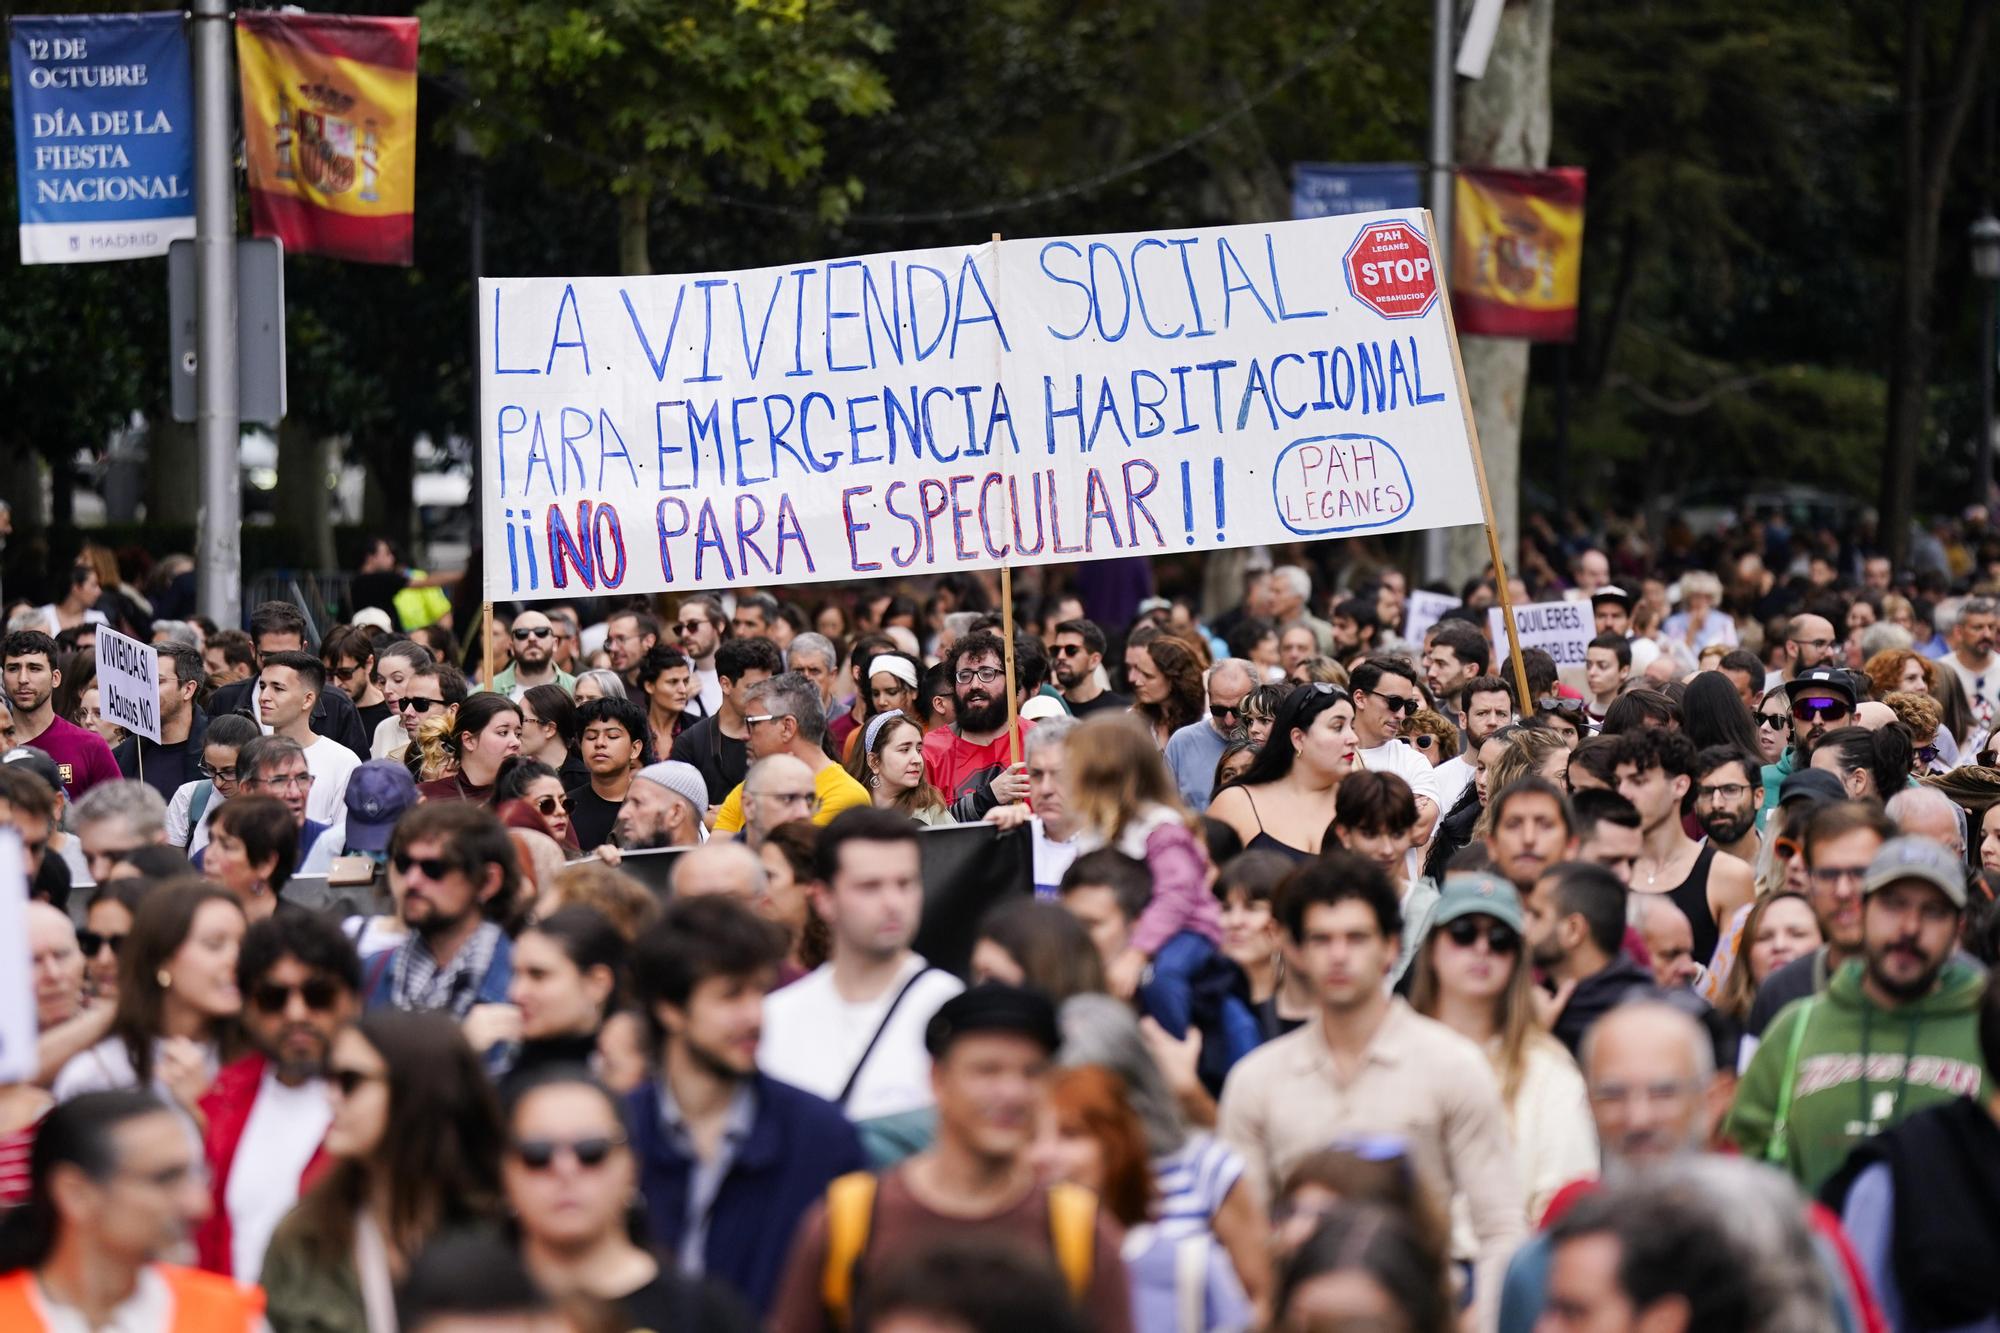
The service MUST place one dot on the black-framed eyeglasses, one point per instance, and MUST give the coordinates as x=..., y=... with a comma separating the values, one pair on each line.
x=540, y=1154
x=1499, y=936
x=523, y=635
x=434, y=867
x=93, y=943
x=225, y=773
x=985, y=675
x=319, y=993
x=1724, y=791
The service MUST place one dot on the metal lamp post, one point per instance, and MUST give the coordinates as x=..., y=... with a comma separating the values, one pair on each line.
x=1985, y=237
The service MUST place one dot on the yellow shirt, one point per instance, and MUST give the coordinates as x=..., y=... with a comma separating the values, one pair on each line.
x=837, y=791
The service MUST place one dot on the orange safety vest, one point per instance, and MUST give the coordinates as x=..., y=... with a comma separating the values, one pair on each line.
x=203, y=1302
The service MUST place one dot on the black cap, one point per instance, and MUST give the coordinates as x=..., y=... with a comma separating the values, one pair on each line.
x=1824, y=680
x=1811, y=785
x=37, y=762
x=992, y=1007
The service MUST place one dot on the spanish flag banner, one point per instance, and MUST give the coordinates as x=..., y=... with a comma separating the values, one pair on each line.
x=1517, y=252
x=330, y=131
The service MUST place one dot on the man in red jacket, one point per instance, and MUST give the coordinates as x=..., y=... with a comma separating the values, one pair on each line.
x=267, y=1113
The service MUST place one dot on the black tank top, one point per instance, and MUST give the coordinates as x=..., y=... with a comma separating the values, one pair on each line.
x=1691, y=896
x=1264, y=842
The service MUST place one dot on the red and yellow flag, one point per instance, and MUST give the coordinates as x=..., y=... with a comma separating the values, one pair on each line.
x=330, y=131
x=1517, y=252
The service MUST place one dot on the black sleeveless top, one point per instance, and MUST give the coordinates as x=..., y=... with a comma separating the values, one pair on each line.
x=1691, y=896
x=1264, y=842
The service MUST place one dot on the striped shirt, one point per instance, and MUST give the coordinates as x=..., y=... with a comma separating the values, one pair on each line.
x=1192, y=1181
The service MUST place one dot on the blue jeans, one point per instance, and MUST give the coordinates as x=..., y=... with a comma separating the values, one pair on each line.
x=1191, y=984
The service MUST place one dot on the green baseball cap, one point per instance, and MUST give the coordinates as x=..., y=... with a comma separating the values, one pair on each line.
x=1481, y=894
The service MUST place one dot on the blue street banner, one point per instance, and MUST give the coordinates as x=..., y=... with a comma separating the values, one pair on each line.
x=1335, y=189
x=103, y=135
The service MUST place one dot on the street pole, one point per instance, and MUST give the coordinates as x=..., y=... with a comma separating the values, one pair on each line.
x=218, y=433
x=1987, y=447
x=1444, y=21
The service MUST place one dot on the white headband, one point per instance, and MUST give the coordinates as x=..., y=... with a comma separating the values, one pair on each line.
x=875, y=725
x=897, y=666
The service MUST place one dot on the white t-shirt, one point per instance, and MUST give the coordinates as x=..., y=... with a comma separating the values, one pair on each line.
x=48, y=613
x=331, y=764
x=1453, y=776
x=1052, y=858
x=390, y=738
x=813, y=1039
x=1404, y=761
x=708, y=688
x=281, y=1136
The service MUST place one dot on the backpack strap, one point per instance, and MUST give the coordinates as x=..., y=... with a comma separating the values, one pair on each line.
x=1191, y=1283
x=850, y=1209
x=198, y=803
x=1778, y=1150
x=1073, y=1235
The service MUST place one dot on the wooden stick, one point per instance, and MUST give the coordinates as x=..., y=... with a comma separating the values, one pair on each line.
x=1007, y=583
x=1525, y=704
x=485, y=645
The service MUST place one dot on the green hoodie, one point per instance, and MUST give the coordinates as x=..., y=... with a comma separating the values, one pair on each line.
x=1861, y=1068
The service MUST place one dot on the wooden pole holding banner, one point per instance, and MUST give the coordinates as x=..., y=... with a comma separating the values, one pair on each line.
x=486, y=644
x=1007, y=583
x=1525, y=704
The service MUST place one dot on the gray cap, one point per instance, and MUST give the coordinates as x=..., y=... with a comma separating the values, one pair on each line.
x=683, y=780
x=1918, y=859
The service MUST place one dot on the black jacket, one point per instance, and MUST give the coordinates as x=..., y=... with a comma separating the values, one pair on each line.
x=157, y=775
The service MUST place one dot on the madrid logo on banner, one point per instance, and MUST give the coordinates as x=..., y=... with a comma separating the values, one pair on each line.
x=1518, y=252
x=103, y=135
x=1014, y=403
x=330, y=132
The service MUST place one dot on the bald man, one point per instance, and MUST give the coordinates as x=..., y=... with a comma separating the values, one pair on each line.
x=778, y=789
x=58, y=962
x=1809, y=642
x=1669, y=941
x=728, y=868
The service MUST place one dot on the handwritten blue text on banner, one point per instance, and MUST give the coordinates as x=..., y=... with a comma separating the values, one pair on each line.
x=1029, y=402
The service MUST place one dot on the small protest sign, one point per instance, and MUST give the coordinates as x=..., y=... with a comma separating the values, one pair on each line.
x=17, y=984
x=1012, y=403
x=128, y=683
x=1563, y=630
x=1425, y=609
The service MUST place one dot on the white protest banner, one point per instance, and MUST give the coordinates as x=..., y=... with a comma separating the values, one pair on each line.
x=17, y=984
x=1018, y=403
x=128, y=683
x=1561, y=629
x=1425, y=609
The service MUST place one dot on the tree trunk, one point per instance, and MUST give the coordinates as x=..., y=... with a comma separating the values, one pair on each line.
x=1504, y=120
x=173, y=480
x=633, y=207
x=1926, y=165
x=304, y=502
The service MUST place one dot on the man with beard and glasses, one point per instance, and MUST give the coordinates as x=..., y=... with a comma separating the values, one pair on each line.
x=1821, y=699
x=970, y=761
x=1655, y=1096
x=1973, y=660
x=534, y=638
x=729, y=1158
x=1838, y=840
x=1892, y=1035
x=1193, y=751
x=663, y=808
x=628, y=634
x=265, y=1114
x=454, y=873
x=275, y=766
x=1077, y=654
x=700, y=630
x=1728, y=795
x=852, y=1029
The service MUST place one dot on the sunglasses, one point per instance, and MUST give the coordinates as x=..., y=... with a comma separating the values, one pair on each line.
x=434, y=867
x=420, y=705
x=1068, y=650
x=1820, y=710
x=1557, y=704
x=1423, y=742
x=93, y=943
x=1394, y=705
x=1220, y=711
x=1500, y=938
x=686, y=627
x=522, y=635
x=351, y=1081
x=548, y=805
x=320, y=995
x=1927, y=753
x=1772, y=721
x=540, y=1154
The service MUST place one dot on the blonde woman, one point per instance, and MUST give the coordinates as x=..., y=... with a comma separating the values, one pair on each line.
x=1542, y=751
x=1472, y=974
x=1698, y=623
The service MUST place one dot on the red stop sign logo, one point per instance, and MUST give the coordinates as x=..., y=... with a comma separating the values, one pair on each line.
x=1390, y=270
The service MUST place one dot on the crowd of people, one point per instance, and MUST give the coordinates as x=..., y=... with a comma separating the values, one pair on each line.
x=567, y=975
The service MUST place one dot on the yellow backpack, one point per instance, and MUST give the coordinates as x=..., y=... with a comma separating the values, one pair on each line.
x=850, y=1210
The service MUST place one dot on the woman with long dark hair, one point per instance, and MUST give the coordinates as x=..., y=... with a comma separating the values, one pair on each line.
x=485, y=732
x=548, y=732
x=1039, y=944
x=1712, y=713
x=1870, y=764
x=178, y=1003
x=415, y=1145
x=569, y=974
x=540, y=788
x=1167, y=690
x=1286, y=801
